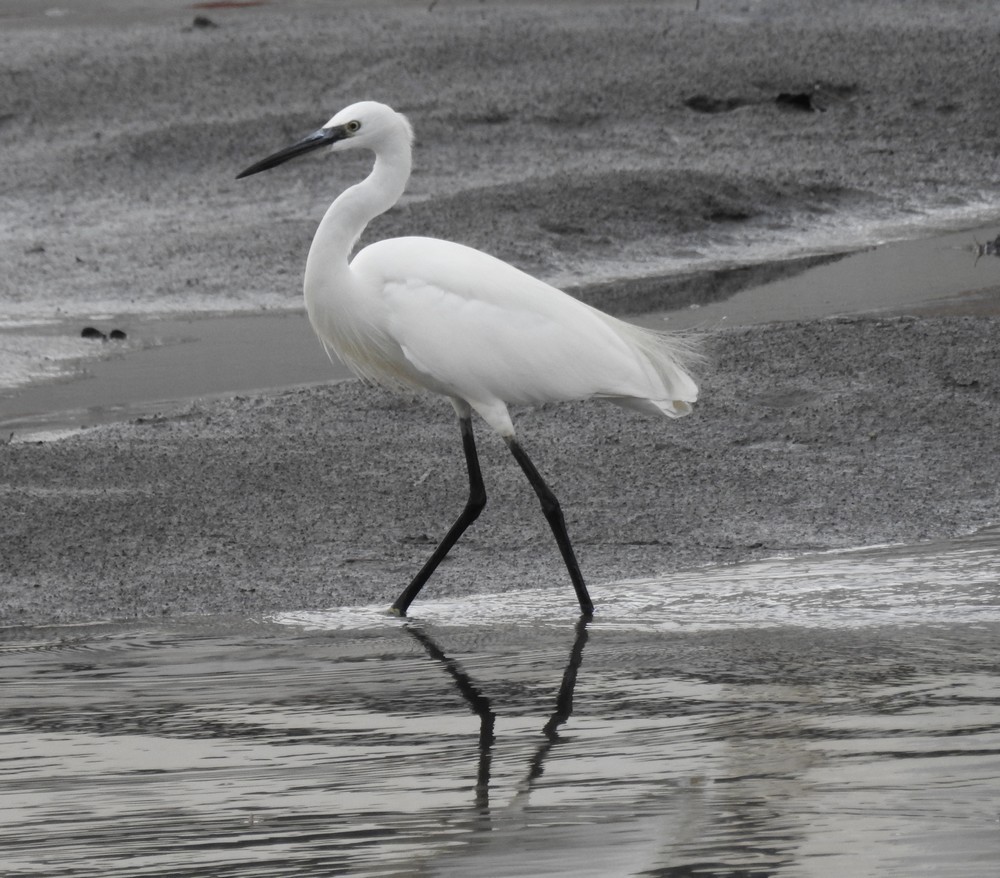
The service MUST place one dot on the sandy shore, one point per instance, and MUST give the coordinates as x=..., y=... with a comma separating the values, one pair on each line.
x=810, y=435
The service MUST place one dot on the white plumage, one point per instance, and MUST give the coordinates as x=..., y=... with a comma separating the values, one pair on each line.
x=431, y=314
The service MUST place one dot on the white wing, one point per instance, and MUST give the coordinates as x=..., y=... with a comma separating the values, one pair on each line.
x=477, y=328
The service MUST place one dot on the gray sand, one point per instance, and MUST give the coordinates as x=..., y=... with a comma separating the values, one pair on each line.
x=550, y=154
x=555, y=135
x=810, y=436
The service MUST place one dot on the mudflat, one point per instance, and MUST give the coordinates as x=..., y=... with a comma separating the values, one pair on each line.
x=575, y=140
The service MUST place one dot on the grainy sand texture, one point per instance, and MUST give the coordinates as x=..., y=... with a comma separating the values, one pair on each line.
x=581, y=141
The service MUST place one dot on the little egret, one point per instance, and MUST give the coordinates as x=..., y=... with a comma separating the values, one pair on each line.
x=424, y=313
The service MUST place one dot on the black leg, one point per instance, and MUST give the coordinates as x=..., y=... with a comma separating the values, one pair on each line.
x=550, y=506
x=474, y=505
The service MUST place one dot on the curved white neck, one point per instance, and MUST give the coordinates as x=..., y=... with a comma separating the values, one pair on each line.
x=347, y=217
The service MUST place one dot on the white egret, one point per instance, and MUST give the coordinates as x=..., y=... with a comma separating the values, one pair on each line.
x=424, y=313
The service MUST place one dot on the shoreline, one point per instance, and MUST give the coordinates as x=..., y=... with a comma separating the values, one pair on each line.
x=333, y=495
x=648, y=122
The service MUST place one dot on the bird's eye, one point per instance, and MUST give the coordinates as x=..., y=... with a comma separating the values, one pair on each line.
x=353, y=127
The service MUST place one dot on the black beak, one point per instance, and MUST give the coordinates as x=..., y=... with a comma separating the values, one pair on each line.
x=323, y=137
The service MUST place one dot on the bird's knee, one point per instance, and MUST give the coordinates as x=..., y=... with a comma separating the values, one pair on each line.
x=476, y=503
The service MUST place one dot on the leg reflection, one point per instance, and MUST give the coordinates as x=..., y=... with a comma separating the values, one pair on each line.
x=482, y=707
x=564, y=702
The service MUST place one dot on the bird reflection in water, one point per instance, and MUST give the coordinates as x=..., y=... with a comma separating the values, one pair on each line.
x=482, y=707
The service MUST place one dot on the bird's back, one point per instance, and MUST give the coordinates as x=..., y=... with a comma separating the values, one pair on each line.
x=472, y=326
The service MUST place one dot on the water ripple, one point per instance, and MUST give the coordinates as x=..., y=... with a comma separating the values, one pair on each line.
x=837, y=714
x=951, y=580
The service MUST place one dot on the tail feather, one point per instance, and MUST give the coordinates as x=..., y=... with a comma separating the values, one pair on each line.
x=672, y=408
x=672, y=358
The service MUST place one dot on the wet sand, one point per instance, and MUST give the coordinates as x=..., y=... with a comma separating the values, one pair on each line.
x=816, y=434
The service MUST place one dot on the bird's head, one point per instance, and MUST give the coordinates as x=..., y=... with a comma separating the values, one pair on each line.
x=365, y=125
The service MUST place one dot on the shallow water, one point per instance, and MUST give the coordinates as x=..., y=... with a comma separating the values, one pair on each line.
x=166, y=361
x=830, y=715
x=949, y=273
